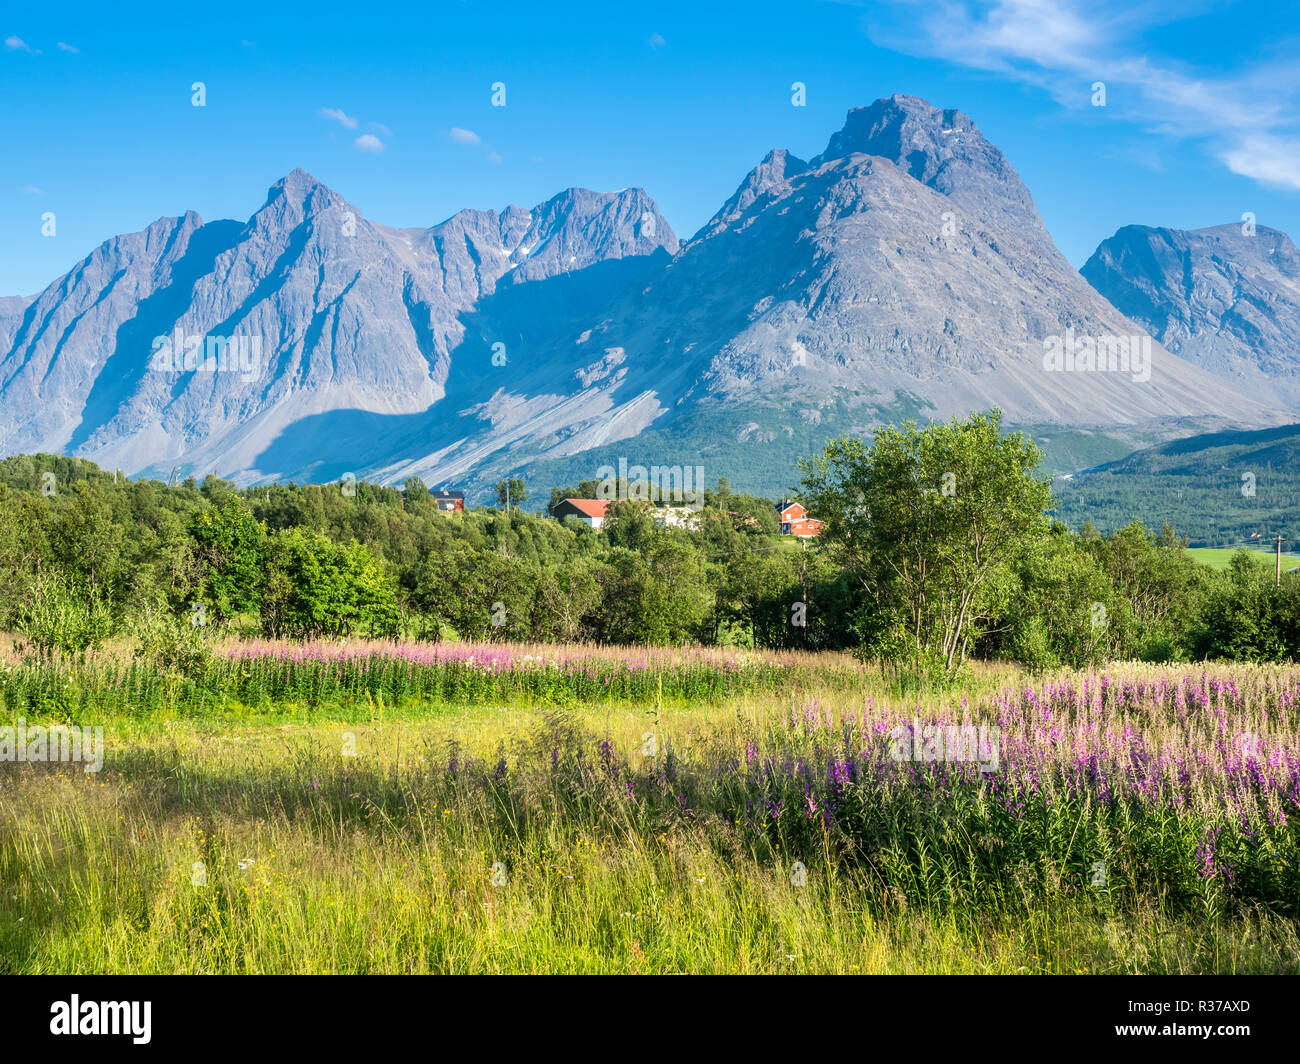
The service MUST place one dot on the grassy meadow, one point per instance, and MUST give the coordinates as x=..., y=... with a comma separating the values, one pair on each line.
x=1221, y=557
x=367, y=807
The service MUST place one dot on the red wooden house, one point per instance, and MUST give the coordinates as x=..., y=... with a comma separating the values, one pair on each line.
x=794, y=520
x=450, y=502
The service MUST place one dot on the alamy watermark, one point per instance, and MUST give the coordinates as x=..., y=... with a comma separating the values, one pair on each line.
x=102, y=1017
x=1098, y=354
x=683, y=485
x=180, y=353
x=947, y=742
x=58, y=742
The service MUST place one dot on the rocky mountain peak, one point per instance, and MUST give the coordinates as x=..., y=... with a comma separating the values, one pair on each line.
x=297, y=184
x=939, y=147
x=772, y=174
x=896, y=128
x=296, y=197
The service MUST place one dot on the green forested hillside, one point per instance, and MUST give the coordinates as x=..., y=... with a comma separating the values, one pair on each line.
x=1221, y=489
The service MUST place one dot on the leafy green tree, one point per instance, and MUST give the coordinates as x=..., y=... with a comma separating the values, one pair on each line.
x=1244, y=616
x=625, y=615
x=480, y=595
x=661, y=596
x=511, y=492
x=929, y=521
x=229, y=545
x=753, y=515
x=680, y=594
x=1063, y=611
x=315, y=587
x=415, y=495
x=629, y=524
x=1160, y=588
x=568, y=599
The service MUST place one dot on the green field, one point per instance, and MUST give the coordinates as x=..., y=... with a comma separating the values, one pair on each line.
x=517, y=809
x=1219, y=558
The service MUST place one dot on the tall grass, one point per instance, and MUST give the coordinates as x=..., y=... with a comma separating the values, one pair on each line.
x=265, y=675
x=611, y=837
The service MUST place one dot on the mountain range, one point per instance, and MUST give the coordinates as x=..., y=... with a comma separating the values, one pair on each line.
x=903, y=272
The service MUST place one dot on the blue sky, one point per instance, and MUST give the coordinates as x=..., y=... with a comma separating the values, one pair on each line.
x=391, y=105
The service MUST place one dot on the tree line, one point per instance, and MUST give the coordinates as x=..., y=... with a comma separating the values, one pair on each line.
x=945, y=534
x=937, y=547
x=85, y=556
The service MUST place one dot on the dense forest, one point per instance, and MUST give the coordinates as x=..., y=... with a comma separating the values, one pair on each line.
x=1221, y=489
x=86, y=557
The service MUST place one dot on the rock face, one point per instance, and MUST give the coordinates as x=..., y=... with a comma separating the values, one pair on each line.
x=906, y=259
x=328, y=311
x=903, y=269
x=1225, y=298
x=11, y=310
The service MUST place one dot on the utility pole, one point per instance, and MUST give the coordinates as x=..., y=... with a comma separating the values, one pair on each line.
x=1279, y=559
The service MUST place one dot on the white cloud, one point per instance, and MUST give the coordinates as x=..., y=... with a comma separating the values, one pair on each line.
x=368, y=142
x=64, y=46
x=469, y=137
x=334, y=114
x=17, y=44
x=381, y=129
x=31, y=190
x=1265, y=158
x=1250, y=120
x=656, y=40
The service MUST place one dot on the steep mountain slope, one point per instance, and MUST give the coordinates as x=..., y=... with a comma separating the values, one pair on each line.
x=1226, y=298
x=11, y=312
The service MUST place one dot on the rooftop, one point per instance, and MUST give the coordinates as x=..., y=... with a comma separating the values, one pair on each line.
x=590, y=507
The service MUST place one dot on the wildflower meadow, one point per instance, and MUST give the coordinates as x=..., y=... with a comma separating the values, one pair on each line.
x=376, y=807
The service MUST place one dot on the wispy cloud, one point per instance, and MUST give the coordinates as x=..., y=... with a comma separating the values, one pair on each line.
x=334, y=114
x=31, y=190
x=656, y=40
x=64, y=46
x=17, y=44
x=469, y=137
x=381, y=129
x=1249, y=120
x=368, y=143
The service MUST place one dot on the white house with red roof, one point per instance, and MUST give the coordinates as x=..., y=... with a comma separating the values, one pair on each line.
x=793, y=520
x=592, y=511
